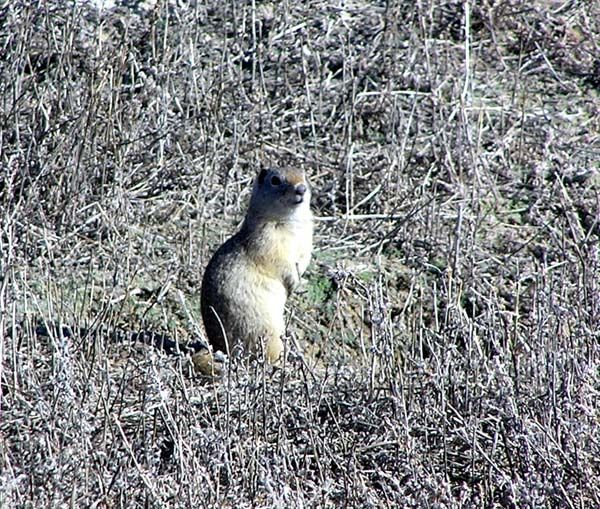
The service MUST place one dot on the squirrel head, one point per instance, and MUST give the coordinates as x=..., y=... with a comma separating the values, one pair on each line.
x=280, y=195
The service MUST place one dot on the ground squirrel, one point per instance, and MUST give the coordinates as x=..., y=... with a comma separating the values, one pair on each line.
x=249, y=278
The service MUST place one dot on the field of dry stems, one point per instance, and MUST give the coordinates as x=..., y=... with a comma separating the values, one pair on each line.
x=445, y=349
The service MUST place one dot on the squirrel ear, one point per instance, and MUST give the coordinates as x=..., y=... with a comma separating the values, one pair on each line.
x=261, y=176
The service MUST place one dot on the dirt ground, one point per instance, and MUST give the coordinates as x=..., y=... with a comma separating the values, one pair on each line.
x=445, y=348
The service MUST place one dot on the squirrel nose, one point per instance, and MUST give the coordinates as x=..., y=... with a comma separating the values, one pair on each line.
x=300, y=190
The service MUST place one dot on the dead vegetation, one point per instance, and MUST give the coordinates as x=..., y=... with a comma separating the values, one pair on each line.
x=449, y=325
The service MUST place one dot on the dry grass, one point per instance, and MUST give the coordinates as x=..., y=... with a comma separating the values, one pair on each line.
x=449, y=332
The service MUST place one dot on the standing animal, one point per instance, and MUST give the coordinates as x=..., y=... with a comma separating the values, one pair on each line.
x=249, y=278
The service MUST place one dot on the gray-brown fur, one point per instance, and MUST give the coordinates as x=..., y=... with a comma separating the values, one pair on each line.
x=249, y=278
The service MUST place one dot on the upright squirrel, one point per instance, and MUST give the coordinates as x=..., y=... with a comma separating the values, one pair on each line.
x=248, y=279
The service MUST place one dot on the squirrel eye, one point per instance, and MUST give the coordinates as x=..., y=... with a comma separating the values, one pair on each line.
x=275, y=181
